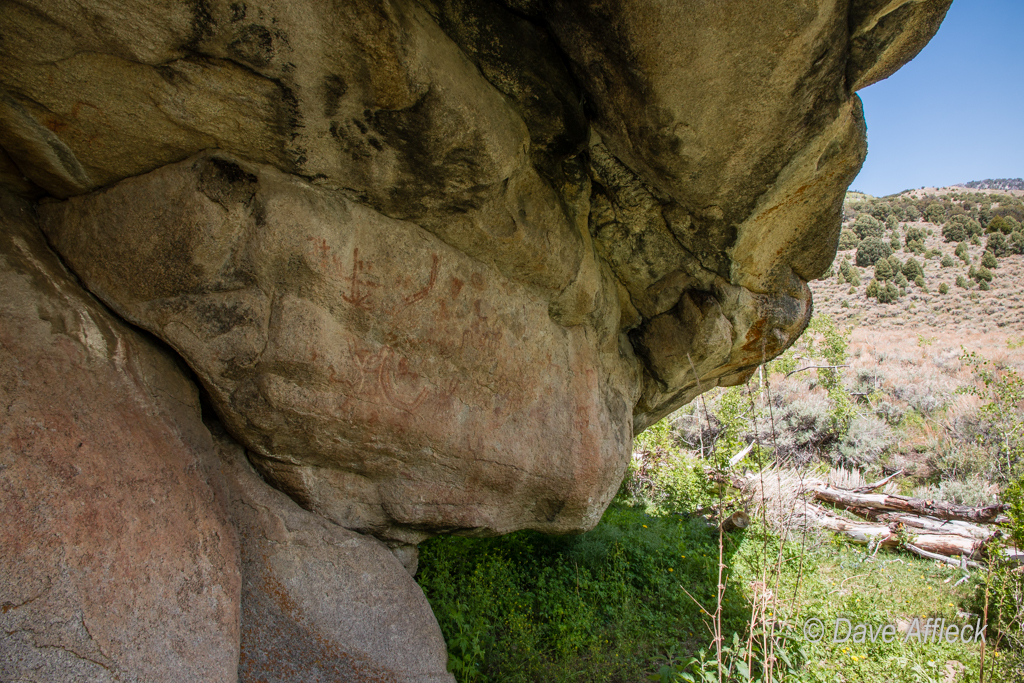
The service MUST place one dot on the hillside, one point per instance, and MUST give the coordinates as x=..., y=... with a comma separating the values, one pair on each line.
x=997, y=184
x=910, y=227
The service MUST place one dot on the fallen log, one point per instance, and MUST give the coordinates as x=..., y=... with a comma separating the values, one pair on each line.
x=737, y=520
x=917, y=506
x=947, y=545
x=926, y=525
x=941, y=558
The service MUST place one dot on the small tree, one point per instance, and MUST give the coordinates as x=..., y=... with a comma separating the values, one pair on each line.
x=868, y=226
x=954, y=230
x=948, y=261
x=912, y=269
x=914, y=235
x=883, y=271
x=894, y=241
x=989, y=260
x=999, y=224
x=870, y=250
x=980, y=275
x=888, y=294
x=935, y=213
x=997, y=245
x=1017, y=242
x=847, y=240
x=962, y=252
x=872, y=291
x=944, y=288
x=962, y=282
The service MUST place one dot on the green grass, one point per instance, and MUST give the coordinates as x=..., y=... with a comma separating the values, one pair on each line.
x=605, y=605
x=599, y=606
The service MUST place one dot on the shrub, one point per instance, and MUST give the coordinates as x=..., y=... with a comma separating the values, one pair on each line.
x=894, y=241
x=912, y=269
x=962, y=282
x=849, y=273
x=883, y=271
x=947, y=261
x=982, y=274
x=888, y=294
x=962, y=253
x=989, y=260
x=803, y=429
x=997, y=245
x=872, y=291
x=889, y=412
x=914, y=235
x=921, y=398
x=848, y=240
x=919, y=281
x=868, y=226
x=867, y=438
x=870, y=250
x=944, y=288
x=935, y=213
x=999, y=224
x=1017, y=243
x=900, y=280
x=983, y=286
x=954, y=231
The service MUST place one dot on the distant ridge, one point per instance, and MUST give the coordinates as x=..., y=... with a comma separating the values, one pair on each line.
x=996, y=184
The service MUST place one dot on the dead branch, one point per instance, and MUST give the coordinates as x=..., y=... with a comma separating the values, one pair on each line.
x=918, y=506
x=878, y=484
x=817, y=367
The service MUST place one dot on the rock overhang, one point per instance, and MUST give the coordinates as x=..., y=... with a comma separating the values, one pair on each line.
x=435, y=262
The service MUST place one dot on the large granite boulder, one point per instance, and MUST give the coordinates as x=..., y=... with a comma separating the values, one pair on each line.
x=319, y=602
x=447, y=256
x=119, y=562
x=137, y=547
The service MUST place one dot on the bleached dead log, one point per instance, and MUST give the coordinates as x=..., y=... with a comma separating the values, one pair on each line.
x=927, y=525
x=918, y=506
x=947, y=545
x=737, y=520
x=961, y=562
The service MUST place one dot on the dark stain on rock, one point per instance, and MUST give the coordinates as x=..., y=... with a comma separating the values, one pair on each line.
x=334, y=88
x=522, y=61
x=436, y=176
x=238, y=11
x=226, y=183
x=202, y=23
x=253, y=45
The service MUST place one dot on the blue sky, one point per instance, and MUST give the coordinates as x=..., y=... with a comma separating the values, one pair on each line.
x=956, y=112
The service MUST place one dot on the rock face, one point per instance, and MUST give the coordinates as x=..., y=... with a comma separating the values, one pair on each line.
x=383, y=378
x=138, y=548
x=319, y=602
x=118, y=562
x=435, y=261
